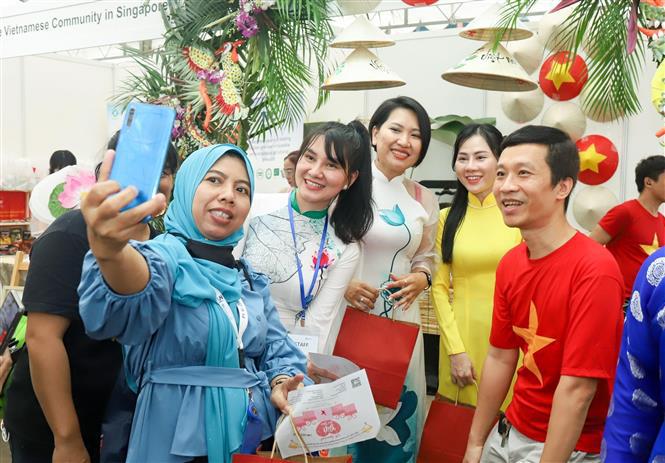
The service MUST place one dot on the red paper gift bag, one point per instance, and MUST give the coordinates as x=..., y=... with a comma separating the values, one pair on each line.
x=445, y=433
x=380, y=345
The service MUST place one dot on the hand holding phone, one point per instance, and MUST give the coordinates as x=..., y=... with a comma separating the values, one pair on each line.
x=141, y=150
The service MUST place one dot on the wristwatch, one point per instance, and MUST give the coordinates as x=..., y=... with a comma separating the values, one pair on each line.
x=429, y=278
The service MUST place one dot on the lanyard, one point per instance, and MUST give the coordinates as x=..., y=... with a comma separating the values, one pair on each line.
x=243, y=320
x=306, y=299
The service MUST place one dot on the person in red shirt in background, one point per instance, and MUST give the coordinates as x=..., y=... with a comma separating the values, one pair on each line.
x=633, y=230
x=558, y=299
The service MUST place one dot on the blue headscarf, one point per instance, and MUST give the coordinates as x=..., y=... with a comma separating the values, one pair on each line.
x=195, y=283
x=195, y=278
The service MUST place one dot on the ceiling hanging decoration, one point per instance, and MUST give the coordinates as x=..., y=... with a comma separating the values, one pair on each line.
x=598, y=159
x=566, y=116
x=486, y=26
x=362, y=33
x=362, y=70
x=527, y=52
x=562, y=77
x=490, y=69
x=354, y=7
x=420, y=2
x=591, y=204
x=522, y=107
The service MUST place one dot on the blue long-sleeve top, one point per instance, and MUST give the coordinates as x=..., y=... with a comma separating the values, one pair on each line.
x=169, y=421
x=635, y=427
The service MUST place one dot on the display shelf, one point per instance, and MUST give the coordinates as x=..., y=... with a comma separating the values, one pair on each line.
x=14, y=223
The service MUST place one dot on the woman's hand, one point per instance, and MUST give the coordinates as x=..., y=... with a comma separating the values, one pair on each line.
x=361, y=295
x=411, y=285
x=462, y=372
x=5, y=367
x=280, y=392
x=70, y=451
x=316, y=373
x=109, y=229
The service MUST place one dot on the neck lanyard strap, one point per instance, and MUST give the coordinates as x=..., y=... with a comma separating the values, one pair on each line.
x=239, y=329
x=306, y=299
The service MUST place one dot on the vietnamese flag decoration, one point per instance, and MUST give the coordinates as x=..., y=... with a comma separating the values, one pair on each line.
x=598, y=159
x=561, y=78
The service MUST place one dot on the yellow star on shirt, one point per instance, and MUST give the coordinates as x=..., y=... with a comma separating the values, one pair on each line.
x=650, y=248
x=534, y=342
x=559, y=74
x=590, y=158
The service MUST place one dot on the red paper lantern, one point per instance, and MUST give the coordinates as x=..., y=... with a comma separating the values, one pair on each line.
x=598, y=159
x=420, y=2
x=561, y=78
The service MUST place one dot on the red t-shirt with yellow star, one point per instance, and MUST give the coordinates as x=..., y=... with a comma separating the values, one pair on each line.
x=635, y=235
x=564, y=312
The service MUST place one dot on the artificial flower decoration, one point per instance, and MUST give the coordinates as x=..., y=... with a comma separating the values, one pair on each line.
x=236, y=69
x=562, y=78
x=76, y=186
x=598, y=159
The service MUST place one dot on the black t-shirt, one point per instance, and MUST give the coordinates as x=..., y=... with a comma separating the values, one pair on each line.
x=51, y=287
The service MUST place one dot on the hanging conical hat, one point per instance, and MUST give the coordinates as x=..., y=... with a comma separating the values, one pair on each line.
x=362, y=33
x=598, y=114
x=349, y=7
x=566, y=116
x=489, y=69
x=591, y=204
x=522, y=106
x=485, y=26
x=362, y=70
x=551, y=26
x=527, y=52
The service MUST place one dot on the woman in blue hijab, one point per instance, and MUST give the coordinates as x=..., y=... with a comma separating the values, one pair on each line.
x=203, y=342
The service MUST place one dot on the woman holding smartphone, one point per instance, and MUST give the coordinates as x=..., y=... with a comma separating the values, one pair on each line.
x=202, y=338
x=397, y=263
x=309, y=248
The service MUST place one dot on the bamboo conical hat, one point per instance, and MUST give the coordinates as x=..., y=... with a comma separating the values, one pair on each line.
x=522, y=106
x=362, y=33
x=591, y=204
x=362, y=70
x=566, y=116
x=489, y=69
x=487, y=24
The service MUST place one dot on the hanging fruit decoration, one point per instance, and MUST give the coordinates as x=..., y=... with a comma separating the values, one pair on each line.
x=598, y=159
x=562, y=78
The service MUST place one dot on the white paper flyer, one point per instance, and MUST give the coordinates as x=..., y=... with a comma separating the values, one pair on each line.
x=330, y=415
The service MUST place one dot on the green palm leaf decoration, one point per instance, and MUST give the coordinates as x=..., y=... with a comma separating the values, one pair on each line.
x=234, y=70
x=614, y=73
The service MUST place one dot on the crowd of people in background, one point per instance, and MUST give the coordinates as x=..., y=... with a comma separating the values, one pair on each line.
x=208, y=346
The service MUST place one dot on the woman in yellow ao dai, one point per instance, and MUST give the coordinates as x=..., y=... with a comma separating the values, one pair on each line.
x=472, y=239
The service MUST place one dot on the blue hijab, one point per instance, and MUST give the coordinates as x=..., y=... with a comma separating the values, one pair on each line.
x=195, y=281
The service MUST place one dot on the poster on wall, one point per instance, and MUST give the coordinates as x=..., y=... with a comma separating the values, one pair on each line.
x=268, y=157
x=57, y=26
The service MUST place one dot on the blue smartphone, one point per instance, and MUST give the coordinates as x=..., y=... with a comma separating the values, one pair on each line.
x=141, y=150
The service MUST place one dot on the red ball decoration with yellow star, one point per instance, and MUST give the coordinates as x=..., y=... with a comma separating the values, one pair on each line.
x=420, y=2
x=561, y=77
x=598, y=159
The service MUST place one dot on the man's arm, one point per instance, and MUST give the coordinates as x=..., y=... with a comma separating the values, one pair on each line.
x=495, y=381
x=572, y=399
x=50, y=374
x=600, y=236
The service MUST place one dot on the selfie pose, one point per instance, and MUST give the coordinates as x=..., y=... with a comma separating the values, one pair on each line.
x=203, y=341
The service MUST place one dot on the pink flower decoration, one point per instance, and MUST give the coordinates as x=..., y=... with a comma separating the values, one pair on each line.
x=325, y=260
x=75, y=187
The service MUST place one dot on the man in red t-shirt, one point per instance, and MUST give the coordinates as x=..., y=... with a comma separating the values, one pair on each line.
x=558, y=300
x=633, y=230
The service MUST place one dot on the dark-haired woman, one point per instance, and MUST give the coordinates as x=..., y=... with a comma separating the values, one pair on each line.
x=396, y=264
x=309, y=248
x=472, y=239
